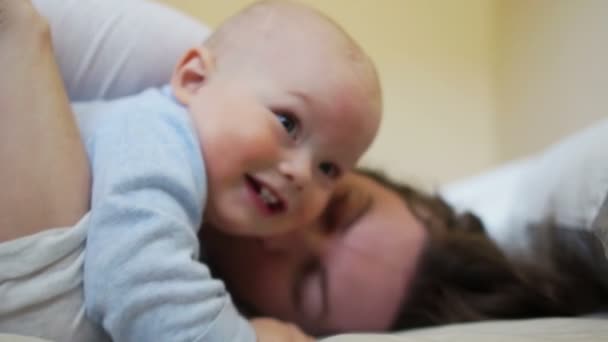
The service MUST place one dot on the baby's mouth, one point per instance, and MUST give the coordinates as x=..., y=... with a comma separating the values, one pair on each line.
x=270, y=200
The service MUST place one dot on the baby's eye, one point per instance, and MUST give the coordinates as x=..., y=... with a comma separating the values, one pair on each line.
x=329, y=169
x=289, y=123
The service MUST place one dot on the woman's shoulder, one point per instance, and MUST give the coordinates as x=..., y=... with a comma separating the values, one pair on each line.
x=113, y=48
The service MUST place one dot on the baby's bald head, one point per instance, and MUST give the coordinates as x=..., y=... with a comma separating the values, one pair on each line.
x=274, y=32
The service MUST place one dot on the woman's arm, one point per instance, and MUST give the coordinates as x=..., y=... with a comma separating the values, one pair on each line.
x=113, y=48
x=44, y=175
x=105, y=49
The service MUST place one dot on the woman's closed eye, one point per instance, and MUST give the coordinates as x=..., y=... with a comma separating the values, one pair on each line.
x=310, y=290
x=289, y=122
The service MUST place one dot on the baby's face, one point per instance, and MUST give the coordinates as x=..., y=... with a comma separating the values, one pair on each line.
x=276, y=140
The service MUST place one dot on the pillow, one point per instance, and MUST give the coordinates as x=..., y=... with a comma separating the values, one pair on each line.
x=566, y=185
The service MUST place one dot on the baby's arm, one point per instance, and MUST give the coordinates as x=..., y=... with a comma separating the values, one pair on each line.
x=142, y=279
x=113, y=48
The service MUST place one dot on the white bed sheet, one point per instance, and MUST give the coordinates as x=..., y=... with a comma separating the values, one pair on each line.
x=528, y=330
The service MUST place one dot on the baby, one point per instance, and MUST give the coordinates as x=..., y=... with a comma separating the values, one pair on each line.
x=251, y=134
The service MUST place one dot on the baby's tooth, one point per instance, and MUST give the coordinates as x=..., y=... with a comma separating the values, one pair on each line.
x=267, y=196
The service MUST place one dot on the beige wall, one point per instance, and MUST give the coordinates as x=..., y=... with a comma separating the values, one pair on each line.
x=552, y=70
x=470, y=83
x=434, y=59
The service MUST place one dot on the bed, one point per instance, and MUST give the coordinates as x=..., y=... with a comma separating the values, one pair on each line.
x=561, y=190
x=567, y=182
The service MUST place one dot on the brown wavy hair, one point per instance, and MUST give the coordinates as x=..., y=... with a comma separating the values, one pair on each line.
x=463, y=276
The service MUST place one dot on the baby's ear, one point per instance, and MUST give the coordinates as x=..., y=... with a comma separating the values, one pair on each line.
x=191, y=73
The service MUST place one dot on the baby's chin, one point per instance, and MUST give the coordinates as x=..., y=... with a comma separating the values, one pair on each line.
x=231, y=227
x=239, y=231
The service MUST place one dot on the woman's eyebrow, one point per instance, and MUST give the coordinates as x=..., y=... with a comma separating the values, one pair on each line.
x=338, y=216
x=305, y=271
x=369, y=202
x=362, y=210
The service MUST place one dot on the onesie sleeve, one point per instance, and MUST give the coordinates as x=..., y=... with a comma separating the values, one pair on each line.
x=142, y=278
x=111, y=48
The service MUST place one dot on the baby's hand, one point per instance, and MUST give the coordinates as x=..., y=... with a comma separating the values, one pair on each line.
x=272, y=330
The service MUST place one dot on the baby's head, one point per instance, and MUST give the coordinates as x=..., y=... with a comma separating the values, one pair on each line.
x=284, y=103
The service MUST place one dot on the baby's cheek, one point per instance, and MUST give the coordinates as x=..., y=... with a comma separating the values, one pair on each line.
x=259, y=150
x=244, y=151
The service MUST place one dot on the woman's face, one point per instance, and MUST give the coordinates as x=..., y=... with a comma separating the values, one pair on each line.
x=348, y=271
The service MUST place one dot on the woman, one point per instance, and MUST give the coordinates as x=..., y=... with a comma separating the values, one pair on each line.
x=326, y=277
x=385, y=256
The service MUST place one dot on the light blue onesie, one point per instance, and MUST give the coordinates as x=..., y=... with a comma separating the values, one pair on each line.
x=142, y=280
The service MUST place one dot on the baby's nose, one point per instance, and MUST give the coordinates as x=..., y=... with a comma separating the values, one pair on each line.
x=298, y=171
